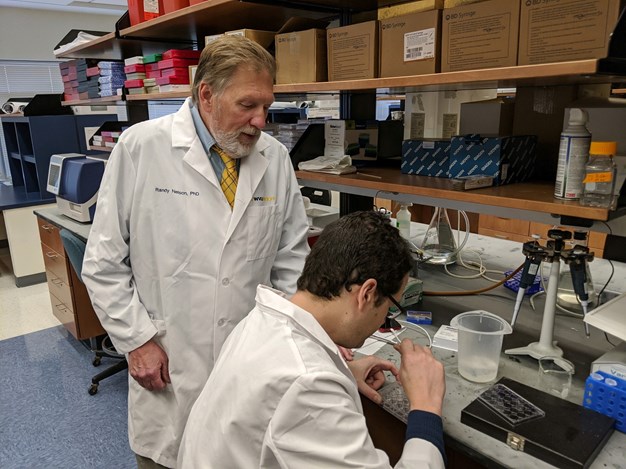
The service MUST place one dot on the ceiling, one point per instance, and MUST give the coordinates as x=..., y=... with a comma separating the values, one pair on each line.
x=105, y=7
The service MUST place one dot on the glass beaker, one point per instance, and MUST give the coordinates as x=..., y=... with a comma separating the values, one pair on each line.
x=439, y=246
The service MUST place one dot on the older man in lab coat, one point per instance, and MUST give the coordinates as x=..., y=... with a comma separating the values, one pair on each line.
x=195, y=210
x=282, y=396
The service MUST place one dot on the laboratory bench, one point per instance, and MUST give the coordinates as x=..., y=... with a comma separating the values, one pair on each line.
x=68, y=296
x=16, y=207
x=466, y=446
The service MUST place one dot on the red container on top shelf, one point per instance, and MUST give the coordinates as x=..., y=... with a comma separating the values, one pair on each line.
x=135, y=11
x=173, y=5
x=153, y=9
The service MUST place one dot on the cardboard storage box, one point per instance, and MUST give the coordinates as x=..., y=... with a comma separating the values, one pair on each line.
x=301, y=56
x=566, y=30
x=264, y=38
x=410, y=44
x=458, y=3
x=507, y=159
x=392, y=11
x=480, y=35
x=427, y=157
x=353, y=51
x=490, y=117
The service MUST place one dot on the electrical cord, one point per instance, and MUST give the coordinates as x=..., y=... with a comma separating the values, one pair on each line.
x=473, y=292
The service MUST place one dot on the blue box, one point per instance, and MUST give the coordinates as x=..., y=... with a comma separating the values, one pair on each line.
x=426, y=157
x=607, y=394
x=507, y=159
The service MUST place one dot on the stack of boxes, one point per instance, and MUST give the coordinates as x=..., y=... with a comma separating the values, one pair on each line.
x=174, y=69
x=106, y=138
x=90, y=79
x=87, y=85
x=134, y=79
x=70, y=83
x=111, y=77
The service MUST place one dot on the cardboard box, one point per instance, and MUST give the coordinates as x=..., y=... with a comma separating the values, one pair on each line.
x=353, y=51
x=566, y=30
x=490, y=117
x=458, y=3
x=211, y=38
x=427, y=157
x=392, y=11
x=410, y=44
x=301, y=56
x=507, y=159
x=264, y=38
x=480, y=35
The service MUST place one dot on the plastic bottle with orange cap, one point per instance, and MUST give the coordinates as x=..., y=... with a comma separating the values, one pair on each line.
x=600, y=175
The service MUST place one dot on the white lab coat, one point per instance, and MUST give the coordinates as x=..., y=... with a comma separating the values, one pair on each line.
x=281, y=396
x=195, y=264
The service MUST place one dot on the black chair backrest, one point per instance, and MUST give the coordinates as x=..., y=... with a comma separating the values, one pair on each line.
x=75, y=249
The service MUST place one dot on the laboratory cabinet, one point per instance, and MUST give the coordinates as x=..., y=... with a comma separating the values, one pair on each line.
x=68, y=295
x=31, y=140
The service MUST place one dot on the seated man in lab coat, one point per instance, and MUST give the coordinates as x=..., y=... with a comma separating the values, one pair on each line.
x=195, y=210
x=281, y=395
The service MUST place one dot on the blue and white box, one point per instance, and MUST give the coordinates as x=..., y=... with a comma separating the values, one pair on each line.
x=426, y=157
x=507, y=159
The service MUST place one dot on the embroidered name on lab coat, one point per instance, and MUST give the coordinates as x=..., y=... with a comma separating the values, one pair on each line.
x=177, y=192
x=271, y=198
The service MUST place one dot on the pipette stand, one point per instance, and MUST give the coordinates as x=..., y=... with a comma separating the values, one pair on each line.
x=546, y=347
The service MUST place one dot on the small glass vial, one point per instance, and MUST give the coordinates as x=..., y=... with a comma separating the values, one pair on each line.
x=600, y=175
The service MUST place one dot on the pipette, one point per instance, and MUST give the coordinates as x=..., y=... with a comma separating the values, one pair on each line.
x=576, y=258
x=534, y=254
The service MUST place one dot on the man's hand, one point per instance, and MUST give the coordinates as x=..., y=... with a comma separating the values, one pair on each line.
x=368, y=372
x=422, y=377
x=148, y=365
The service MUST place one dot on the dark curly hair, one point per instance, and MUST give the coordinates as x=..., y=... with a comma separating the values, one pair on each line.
x=357, y=247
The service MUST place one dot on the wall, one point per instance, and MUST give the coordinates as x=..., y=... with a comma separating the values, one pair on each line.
x=27, y=34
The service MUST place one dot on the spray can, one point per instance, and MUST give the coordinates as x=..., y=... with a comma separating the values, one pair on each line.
x=573, y=155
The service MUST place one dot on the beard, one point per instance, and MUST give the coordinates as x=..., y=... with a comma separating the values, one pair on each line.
x=229, y=141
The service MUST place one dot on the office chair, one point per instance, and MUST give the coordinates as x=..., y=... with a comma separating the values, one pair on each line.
x=316, y=196
x=75, y=249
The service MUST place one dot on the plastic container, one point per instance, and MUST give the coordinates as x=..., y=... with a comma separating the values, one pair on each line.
x=172, y=5
x=573, y=155
x=403, y=221
x=135, y=12
x=600, y=175
x=480, y=335
x=607, y=394
x=152, y=9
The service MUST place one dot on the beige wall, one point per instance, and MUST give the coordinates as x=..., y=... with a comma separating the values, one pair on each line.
x=27, y=34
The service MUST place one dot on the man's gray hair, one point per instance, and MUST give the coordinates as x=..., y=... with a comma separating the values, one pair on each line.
x=221, y=58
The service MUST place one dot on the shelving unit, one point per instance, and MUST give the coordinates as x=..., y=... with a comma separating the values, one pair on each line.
x=532, y=201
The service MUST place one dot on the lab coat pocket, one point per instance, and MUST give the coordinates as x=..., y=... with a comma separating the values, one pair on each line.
x=262, y=231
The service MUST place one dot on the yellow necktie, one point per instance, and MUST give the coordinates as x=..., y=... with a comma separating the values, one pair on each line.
x=229, y=176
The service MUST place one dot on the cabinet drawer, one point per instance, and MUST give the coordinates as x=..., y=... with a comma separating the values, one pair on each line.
x=49, y=235
x=55, y=262
x=64, y=314
x=60, y=289
x=506, y=225
x=502, y=235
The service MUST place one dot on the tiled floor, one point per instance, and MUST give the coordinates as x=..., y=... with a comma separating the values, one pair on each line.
x=22, y=310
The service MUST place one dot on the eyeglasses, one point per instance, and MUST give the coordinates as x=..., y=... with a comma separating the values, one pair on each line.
x=397, y=305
